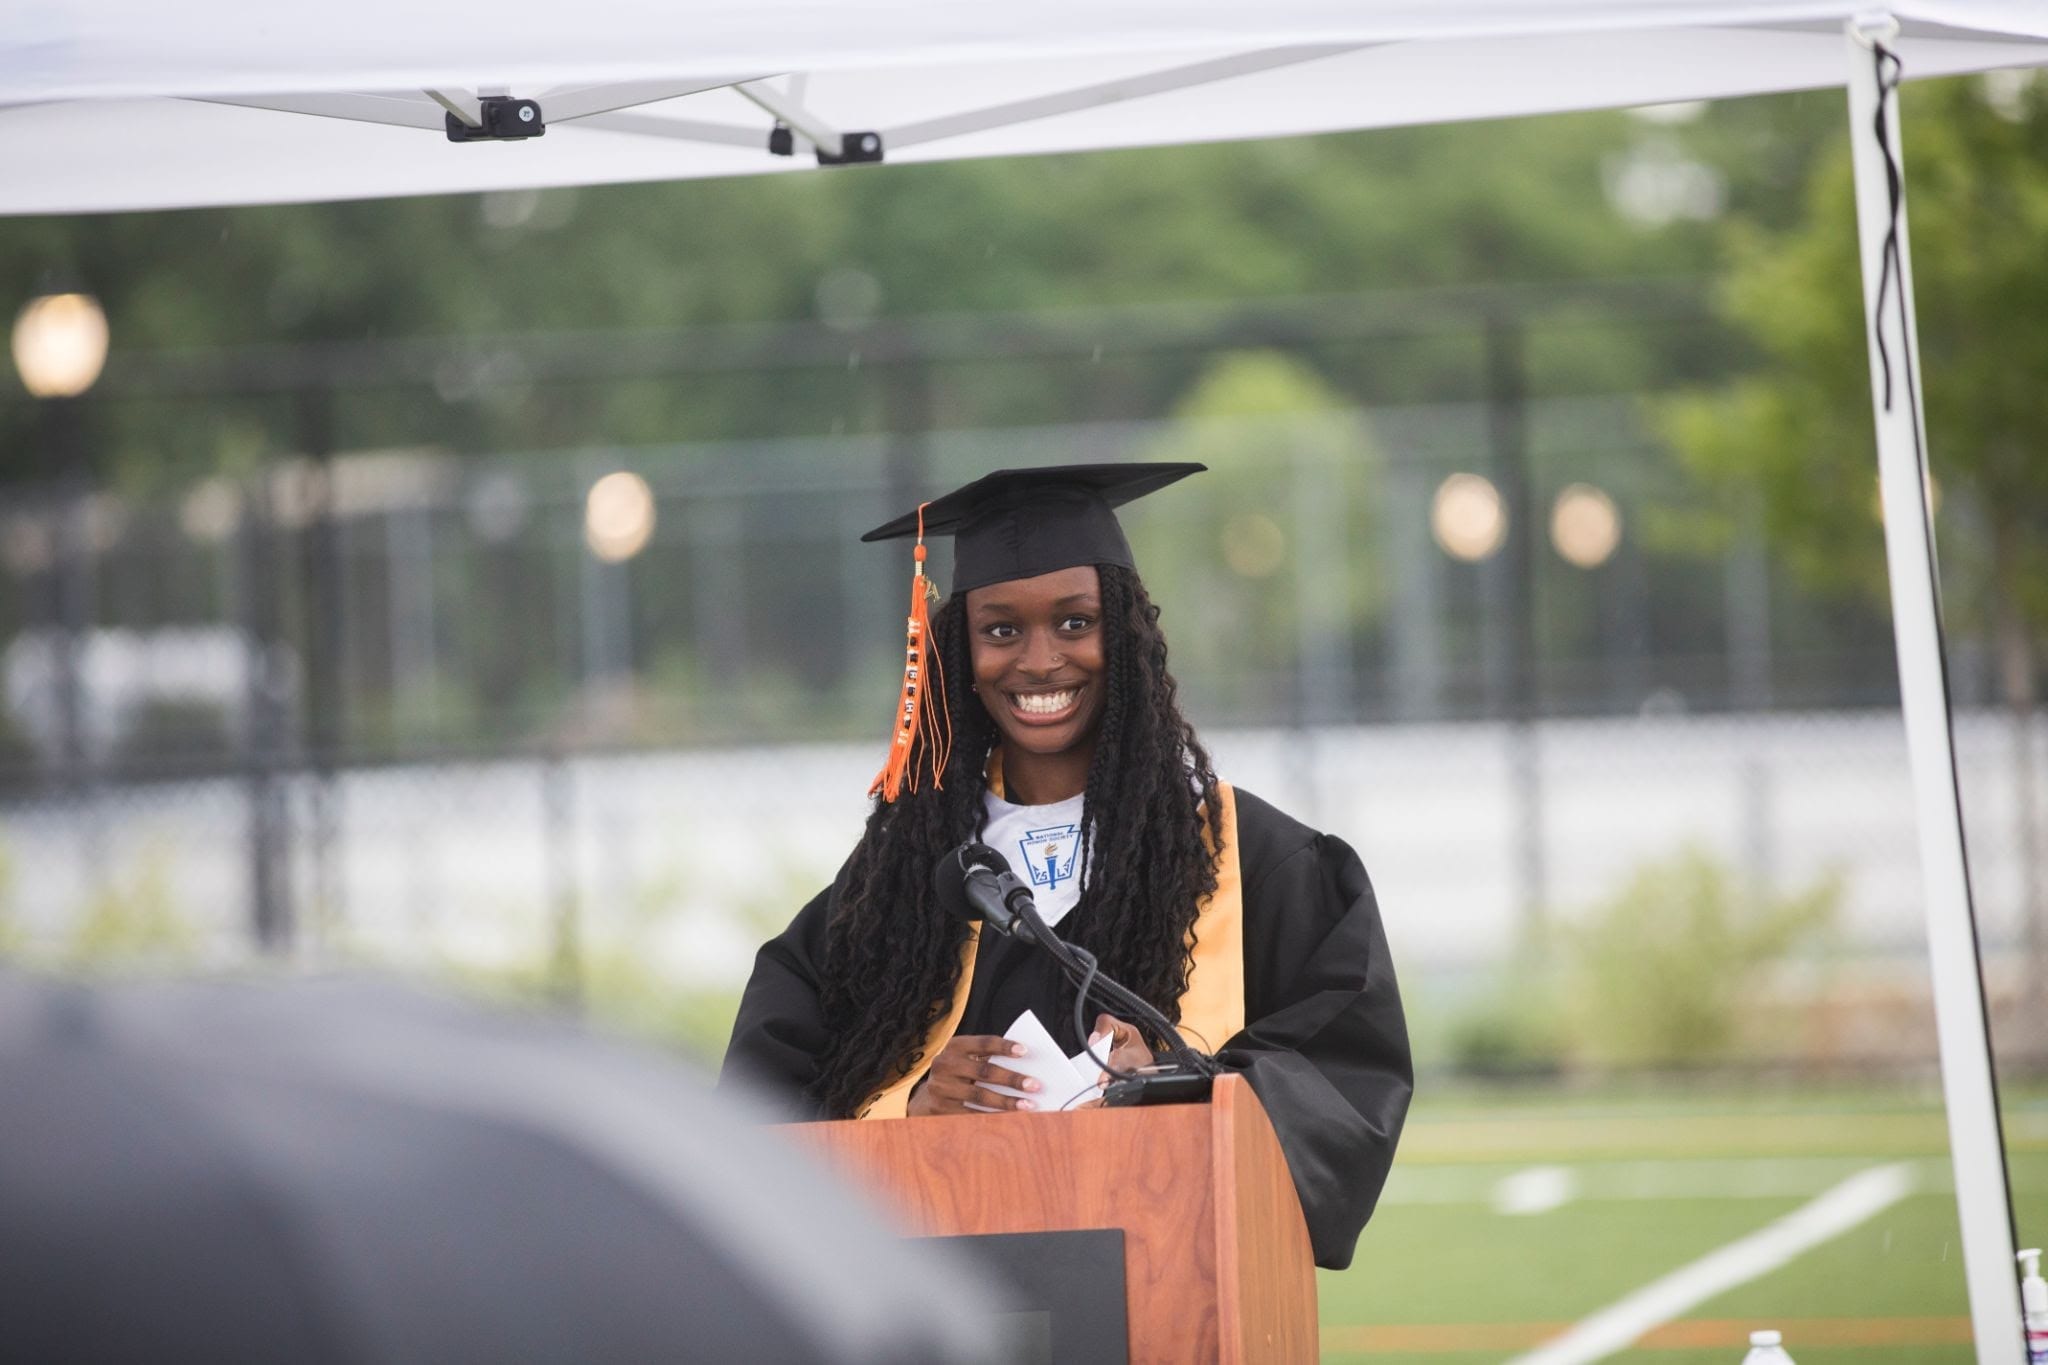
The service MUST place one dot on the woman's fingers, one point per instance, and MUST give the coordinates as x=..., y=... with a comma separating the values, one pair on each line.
x=959, y=1090
x=991, y=1074
x=989, y=1099
x=981, y=1046
x=967, y=1065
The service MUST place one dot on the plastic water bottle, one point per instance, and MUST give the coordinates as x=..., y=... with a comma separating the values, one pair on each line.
x=2034, y=1302
x=1764, y=1349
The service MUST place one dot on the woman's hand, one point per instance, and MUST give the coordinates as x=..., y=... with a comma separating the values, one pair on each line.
x=966, y=1063
x=1127, y=1048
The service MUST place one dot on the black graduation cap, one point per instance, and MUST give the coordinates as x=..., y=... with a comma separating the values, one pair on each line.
x=1019, y=523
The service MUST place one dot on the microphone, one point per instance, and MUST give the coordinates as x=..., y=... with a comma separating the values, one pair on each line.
x=974, y=882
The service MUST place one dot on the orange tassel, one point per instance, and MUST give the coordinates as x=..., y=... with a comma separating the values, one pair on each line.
x=923, y=740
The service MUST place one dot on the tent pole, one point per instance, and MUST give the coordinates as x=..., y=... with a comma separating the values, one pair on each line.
x=1969, y=1087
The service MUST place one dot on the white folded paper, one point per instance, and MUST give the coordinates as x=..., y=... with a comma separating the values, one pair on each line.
x=1063, y=1081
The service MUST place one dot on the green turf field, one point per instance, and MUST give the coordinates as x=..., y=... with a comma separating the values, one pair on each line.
x=1509, y=1218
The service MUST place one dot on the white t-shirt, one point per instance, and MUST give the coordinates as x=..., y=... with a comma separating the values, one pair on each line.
x=1043, y=844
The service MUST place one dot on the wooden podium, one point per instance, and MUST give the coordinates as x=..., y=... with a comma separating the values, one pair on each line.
x=1216, y=1256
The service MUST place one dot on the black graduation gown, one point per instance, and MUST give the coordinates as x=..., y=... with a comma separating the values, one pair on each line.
x=1324, y=1046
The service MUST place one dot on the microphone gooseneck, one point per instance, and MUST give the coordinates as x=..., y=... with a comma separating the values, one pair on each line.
x=974, y=882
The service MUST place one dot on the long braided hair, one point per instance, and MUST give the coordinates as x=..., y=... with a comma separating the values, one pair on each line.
x=892, y=959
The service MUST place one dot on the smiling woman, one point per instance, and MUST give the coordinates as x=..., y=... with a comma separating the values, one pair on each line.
x=1037, y=715
x=1036, y=644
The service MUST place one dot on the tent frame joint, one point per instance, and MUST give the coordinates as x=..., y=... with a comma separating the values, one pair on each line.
x=500, y=118
x=1872, y=27
x=855, y=149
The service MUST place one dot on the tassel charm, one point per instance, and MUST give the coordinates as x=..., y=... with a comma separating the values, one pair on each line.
x=923, y=738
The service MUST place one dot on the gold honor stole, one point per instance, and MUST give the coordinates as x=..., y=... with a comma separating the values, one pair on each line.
x=1212, y=1006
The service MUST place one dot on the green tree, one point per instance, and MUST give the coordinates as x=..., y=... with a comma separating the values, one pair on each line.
x=1798, y=428
x=1286, y=452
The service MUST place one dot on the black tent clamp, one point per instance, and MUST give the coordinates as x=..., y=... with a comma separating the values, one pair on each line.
x=854, y=148
x=503, y=119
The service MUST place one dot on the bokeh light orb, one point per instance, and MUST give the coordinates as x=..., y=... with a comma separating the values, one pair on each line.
x=1585, y=525
x=60, y=344
x=1468, y=517
x=618, y=516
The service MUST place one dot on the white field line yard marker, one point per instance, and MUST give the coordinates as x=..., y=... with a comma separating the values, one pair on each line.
x=1614, y=1327
x=1487, y=1184
x=1539, y=1189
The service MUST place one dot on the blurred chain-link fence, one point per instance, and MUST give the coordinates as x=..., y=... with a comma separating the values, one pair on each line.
x=572, y=716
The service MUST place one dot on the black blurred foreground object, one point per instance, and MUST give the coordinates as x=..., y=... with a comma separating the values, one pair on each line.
x=347, y=1170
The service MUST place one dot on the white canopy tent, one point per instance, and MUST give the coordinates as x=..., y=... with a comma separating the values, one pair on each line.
x=132, y=104
x=126, y=104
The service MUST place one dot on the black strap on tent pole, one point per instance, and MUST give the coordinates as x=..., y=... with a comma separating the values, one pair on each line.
x=1890, y=275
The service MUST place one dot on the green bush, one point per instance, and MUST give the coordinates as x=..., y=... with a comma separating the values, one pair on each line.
x=1514, y=1034
x=1660, y=974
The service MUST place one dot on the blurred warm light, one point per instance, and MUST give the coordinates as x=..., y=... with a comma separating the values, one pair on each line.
x=1585, y=525
x=618, y=516
x=210, y=513
x=1254, y=546
x=60, y=344
x=1468, y=518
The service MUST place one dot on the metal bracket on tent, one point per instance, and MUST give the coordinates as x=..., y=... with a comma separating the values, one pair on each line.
x=792, y=120
x=854, y=148
x=492, y=118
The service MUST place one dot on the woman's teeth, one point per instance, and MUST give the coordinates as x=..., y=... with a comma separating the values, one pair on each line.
x=1044, y=703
